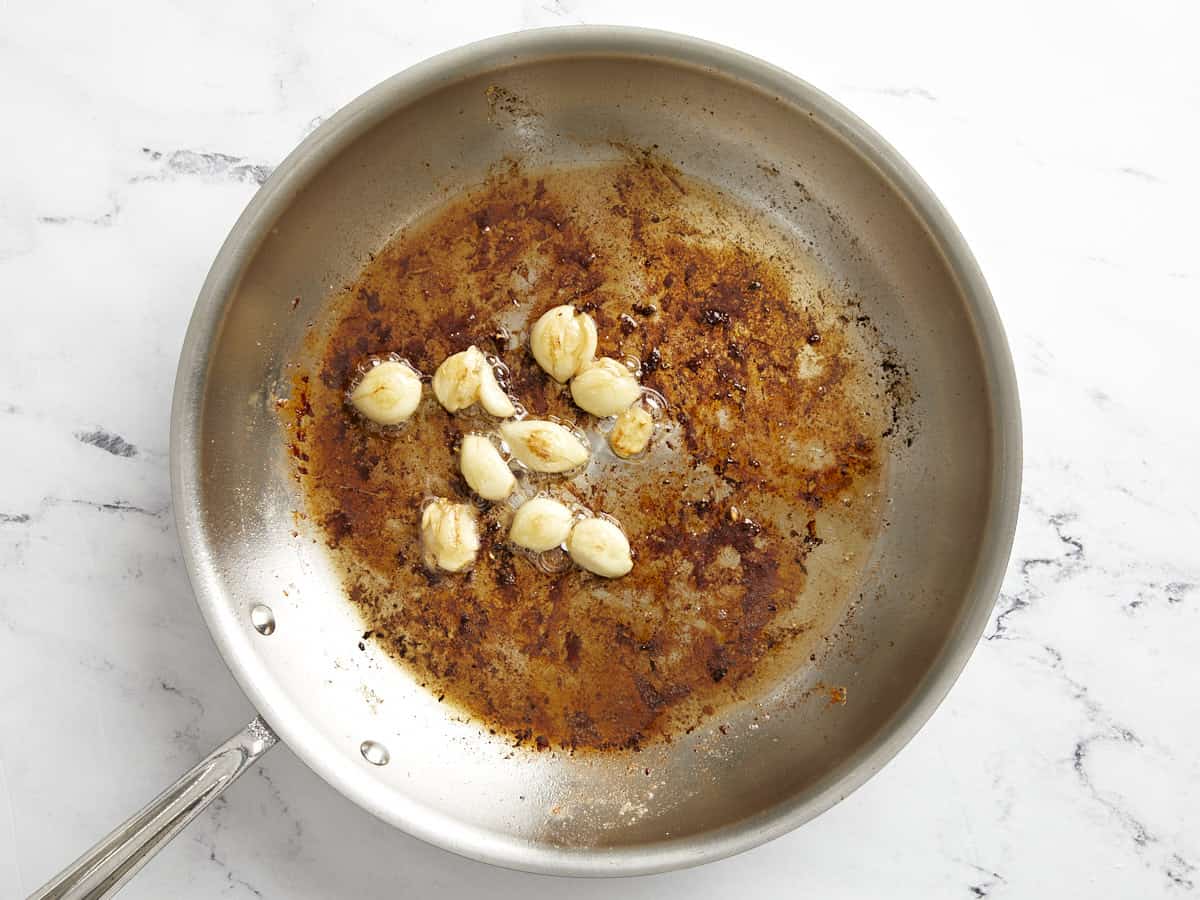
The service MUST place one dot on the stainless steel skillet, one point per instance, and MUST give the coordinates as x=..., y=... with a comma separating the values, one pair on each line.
x=564, y=97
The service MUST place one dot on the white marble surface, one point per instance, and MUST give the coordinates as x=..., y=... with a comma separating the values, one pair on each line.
x=1064, y=141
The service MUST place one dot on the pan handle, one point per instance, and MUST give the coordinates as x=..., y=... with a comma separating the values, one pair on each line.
x=104, y=869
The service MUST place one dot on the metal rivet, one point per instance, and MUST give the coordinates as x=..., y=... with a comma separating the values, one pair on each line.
x=375, y=753
x=263, y=619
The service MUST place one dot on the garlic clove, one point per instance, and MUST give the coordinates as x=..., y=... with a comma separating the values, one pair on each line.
x=449, y=535
x=563, y=341
x=484, y=468
x=540, y=524
x=631, y=432
x=388, y=393
x=456, y=381
x=605, y=388
x=466, y=378
x=492, y=397
x=544, y=446
x=600, y=546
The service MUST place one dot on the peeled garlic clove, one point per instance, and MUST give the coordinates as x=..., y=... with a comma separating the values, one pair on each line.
x=563, y=341
x=605, y=388
x=449, y=535
x=544, y=446
x=456, y=381
x=388, y=393
x=484, y=468
x=601, y=547
x=492, y=397
x=631, y=433
x=540, y=524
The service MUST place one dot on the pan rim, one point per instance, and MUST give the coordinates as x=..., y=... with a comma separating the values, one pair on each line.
x=364, y=113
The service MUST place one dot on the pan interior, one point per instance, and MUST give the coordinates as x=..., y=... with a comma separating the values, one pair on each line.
x=430, y=138
x=752, y=514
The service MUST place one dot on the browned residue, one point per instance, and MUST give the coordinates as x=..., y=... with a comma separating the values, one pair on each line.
x=502, y=100
x=756, y=468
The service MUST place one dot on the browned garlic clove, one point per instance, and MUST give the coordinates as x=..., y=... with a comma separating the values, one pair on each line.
x=388, y=393
x=484, y=468
x=631, y=432
x=540, y=524
x=544, y=446
x=600, y=546
x=563, y=341
x=449, y=535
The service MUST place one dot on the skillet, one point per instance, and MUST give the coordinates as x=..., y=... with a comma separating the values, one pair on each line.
x=276, y=606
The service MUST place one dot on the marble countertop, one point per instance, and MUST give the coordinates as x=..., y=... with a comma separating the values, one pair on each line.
x=1063, y=138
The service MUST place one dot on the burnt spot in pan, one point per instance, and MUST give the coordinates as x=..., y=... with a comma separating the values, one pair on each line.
x=749, y=518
